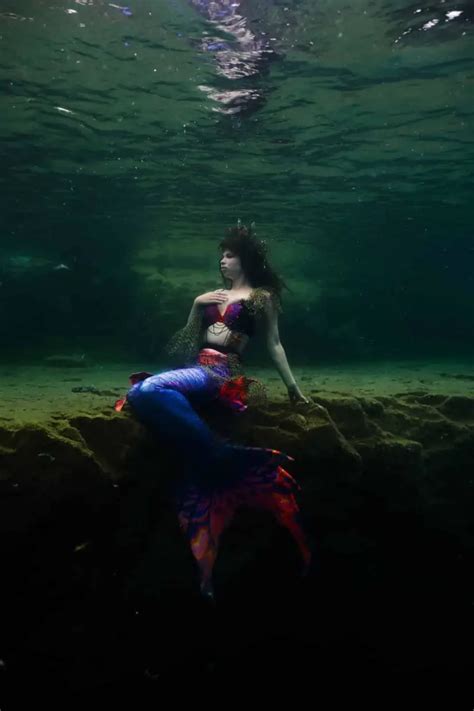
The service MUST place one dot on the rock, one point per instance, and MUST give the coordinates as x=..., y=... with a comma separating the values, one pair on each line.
x=284, y=440
x=351, y=418
x=84, y=510
x=294, y=423
x=458, y=407
x=373, y=407
x=103, y=473
x=324, y=442
x=45, y=470
x=393, y=471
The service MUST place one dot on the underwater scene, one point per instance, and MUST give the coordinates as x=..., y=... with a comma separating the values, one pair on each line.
x=236, y=350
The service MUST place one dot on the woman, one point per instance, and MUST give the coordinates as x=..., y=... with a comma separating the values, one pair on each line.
x=218, y=477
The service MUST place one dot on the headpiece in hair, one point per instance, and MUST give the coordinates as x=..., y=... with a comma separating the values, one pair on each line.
x=261, y=244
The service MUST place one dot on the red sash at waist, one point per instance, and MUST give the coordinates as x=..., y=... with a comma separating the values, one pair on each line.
x=209, y=356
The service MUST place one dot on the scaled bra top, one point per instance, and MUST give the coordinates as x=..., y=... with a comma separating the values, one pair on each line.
x=237, y=316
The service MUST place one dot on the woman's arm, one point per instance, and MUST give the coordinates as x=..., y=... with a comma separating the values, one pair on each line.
x=277, y=352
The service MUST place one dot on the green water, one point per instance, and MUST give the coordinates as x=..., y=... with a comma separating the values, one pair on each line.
x=119, y=175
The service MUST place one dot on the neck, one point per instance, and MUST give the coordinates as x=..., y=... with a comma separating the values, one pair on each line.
x=240, y=283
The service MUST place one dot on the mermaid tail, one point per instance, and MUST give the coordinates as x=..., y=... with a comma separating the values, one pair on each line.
x=217, y=478
x=204, y=512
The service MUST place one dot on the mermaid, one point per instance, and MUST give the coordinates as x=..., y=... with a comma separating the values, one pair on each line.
x=219, y=477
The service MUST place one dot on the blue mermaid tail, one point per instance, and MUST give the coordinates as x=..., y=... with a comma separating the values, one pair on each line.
x=217, y=477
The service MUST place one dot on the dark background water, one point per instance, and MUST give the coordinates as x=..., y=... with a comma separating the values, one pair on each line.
x=119, y=174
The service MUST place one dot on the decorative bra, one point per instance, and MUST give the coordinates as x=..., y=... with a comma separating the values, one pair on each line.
x=237, y=317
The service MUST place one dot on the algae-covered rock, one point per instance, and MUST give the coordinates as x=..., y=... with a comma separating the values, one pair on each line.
x=324, y=442
x=352, y=419
x=294, y=423
x=458, y=407
x=85, y=511
x=373, y=407
x=109, y=437
x=90, y=472
x=39, y=469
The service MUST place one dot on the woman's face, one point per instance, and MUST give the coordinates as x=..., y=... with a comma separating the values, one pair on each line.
x=230, y=265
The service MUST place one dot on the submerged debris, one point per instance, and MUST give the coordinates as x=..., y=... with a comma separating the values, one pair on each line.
x=95, y=391
x=46, y=455
x=81, y=546
x=85, y=389
x=67, y=361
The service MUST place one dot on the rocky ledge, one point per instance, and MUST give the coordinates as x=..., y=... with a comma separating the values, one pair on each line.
x=387, y=498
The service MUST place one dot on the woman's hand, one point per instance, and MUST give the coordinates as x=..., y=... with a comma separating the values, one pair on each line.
x=295, y=395
x=211, y=297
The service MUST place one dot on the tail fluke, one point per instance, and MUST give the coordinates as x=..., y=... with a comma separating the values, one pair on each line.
x=250, y=477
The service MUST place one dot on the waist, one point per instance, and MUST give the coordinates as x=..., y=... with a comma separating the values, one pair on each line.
x=212, y=356
x=223, y=350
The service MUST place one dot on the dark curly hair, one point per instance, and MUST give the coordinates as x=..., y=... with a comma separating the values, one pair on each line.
x=242, y=241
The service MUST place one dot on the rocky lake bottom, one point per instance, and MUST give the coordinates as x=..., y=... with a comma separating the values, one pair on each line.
x=100, y=595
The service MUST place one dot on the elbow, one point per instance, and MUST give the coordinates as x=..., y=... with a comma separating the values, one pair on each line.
x=274, y=348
